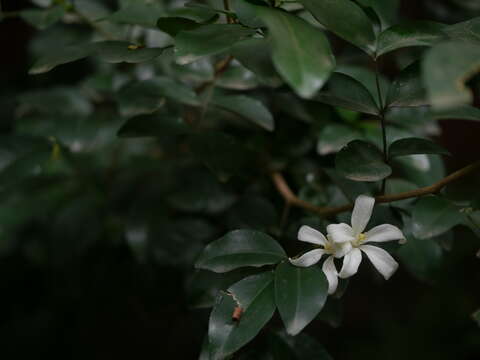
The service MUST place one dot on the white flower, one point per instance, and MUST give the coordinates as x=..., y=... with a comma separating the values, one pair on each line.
x=335, y=250
x=355, y=235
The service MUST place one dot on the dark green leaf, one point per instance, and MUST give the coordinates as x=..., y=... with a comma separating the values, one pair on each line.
x=433, y=216
x=334, y=137
x=465, y=112
x=410, y=146
x=417, y=33
x=385, y=10
x=300, y=294
x=408, y=88
x=43, y=19
x=348, y=93
x=346, y=19
x=122, y=51
x=465, y=31
x=173, y=25
x=246, y=107
x=253, y=212
x=240, y=248
x=362, y=161
x=255, y=296
x=255, y=55
x=395, y=186
x=445, y=75
x=301, y=53
x=152, y=126
x=62, y=56
x=208, y=40
x=138, y=13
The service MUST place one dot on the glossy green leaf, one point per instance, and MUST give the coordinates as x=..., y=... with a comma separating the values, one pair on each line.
x=408, y=89
x=255, y=295
x=410, y=146
x=208, y=40
x=255, y=55
x=246, y=13
x=416, y=33
x=246, y=107
x=385, y=10
x=173, y=25
x=346, y=19
x=301, y=53
x=434, y=215
x=334, y=137
x=122, y=51
x=300, y=294
x=240, y=248
x=42, y=19
x=348, y=93
x=445, y=75
x=395, y=186
x=465, y=112
x=62, y=56
x=138, y=13
x=362, y=161
x=152, y=126
x=147, y=96
x=465, y=31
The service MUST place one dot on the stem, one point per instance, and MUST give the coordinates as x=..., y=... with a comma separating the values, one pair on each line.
x=381, y=115
x=293, y=200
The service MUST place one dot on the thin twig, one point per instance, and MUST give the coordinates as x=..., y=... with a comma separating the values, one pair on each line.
x=220, y=68
x=293, y=200
x=381, y=115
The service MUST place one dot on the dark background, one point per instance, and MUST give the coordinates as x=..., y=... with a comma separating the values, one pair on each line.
x=104, y=305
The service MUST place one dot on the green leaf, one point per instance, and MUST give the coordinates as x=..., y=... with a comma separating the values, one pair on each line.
x=301, y=53
x=346, y=92
x=433, y=216
x=208, y=40
x=362, y=161
x=385, y=10
x=334, y=137
x=468, y=31
x=221, y=153
x=465, y=112
x=346, y=19
x=255, y=55
x=476, y=317
x=246, y=107
x=173, y=25
x=152, y=126
x=253, y=212
x=395, y=186
x=147, y=96
x=123, y=51
x=240, y=248
x=300, y=294
x=42, y=19
x=138, y=13
x=410, y=146
x=62, y=56
x=408, y=88
x=445, y=75
x=255, y=296
x=415, y=33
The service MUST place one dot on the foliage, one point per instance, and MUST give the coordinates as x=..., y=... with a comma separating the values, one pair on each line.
x=176, y=132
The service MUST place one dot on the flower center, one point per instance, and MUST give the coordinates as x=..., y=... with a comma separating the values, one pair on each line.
x=360, y=239
x=328, y=247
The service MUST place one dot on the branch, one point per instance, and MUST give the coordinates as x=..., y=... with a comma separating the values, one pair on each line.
x=220, y=68
x=293, y=200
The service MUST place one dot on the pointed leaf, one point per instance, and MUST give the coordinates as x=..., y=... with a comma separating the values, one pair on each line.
x=465, y=112
x=255, y=296
x=362, y=161
x=300, y=294
x=240, y=248
x=246, y=107
x=415, y=33
x=346, y=19
x=208, y=40
x=445, y=75
x=433, y=215
x=301, y=53
x=410, y=146
x=62, y=56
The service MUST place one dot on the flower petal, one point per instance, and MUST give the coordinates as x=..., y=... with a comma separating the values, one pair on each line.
x=340, y=233
x=308, y=259
x=351, y=261
x=331, y=273
x=382, y=233
x=362, y=211
x=341, y=249
x=310, y=235
x=382, y=260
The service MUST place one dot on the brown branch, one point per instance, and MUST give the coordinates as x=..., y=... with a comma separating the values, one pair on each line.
x=293, y=200
x=220, y=68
